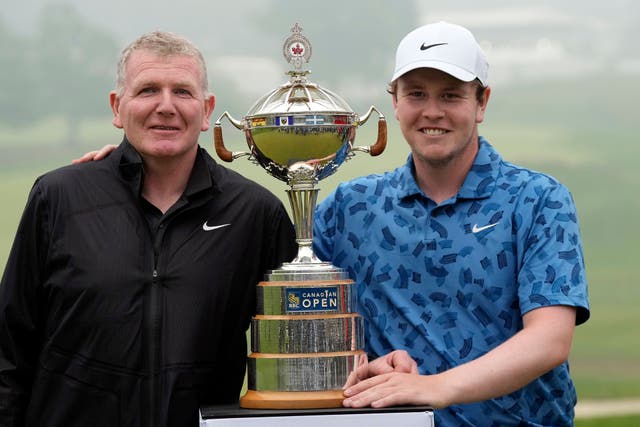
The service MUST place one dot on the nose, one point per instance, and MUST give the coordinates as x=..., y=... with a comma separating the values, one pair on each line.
x=432, y=108
x=165, y=103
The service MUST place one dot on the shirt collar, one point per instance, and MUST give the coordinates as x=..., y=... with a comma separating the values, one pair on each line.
x=478, y=184
x=200, y=178
x=482, y=177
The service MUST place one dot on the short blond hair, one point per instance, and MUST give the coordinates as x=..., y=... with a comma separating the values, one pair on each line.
x=165, y=44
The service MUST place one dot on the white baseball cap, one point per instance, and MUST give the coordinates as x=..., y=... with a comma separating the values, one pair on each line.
x=446, y=47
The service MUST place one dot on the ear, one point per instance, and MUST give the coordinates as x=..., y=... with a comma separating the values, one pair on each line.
x=209, y=105
x=482, y=105
x=114, y=102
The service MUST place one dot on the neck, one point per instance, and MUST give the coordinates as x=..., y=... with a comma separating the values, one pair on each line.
x=166, y=179
x=441, y=180
x=437, y=185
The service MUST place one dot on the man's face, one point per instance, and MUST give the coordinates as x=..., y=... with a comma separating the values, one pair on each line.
x=438, y=115
x=162, y=108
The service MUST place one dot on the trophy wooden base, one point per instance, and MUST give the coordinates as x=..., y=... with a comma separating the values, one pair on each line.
x=292, y=399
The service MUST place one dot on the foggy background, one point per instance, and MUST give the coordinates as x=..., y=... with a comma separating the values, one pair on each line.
x=59, y=56
x=565, y=101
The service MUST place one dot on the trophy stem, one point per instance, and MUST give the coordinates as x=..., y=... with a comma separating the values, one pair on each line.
x=303, y=204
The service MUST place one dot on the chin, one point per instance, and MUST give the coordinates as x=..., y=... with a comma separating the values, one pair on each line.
x=435, y=155
x=168, y=148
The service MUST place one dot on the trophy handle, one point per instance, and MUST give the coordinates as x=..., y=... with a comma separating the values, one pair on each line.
x=218, y=140
x=381, y=143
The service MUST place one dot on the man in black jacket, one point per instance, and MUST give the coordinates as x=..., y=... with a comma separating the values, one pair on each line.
x=131, y=281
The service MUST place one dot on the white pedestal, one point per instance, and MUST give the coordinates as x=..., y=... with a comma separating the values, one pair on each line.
x=342, y=417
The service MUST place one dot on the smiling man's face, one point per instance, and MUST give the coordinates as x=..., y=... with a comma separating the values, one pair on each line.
x=438, y=115
x=162, y=107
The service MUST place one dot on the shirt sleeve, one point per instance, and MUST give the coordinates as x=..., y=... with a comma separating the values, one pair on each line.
x=20, y=300
x=552, y=271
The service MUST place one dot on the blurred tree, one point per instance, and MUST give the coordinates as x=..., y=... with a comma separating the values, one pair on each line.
x=76, y=65
x=18, y=86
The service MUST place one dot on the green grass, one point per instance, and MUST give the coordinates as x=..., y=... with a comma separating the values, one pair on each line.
x=623, y=421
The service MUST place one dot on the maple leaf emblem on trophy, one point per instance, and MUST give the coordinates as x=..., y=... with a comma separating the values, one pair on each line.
x=297, y=50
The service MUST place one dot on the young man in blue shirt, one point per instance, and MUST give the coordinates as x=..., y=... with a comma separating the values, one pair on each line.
x=469, y=269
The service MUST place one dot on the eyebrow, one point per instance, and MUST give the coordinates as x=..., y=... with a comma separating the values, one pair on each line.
x=148, y=82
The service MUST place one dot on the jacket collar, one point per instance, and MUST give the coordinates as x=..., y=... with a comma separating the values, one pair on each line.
x=132, y=170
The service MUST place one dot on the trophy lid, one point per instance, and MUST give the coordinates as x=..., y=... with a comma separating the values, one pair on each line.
x=299, y=95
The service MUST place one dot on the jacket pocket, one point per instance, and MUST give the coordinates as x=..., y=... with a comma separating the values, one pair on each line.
x=61, y=399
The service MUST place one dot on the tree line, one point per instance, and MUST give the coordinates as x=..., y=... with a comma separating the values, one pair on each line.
x=57, y=70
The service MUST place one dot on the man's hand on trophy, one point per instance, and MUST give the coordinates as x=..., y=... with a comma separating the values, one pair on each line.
x=95, y=154
x=400, y=361
x=397, y=361
x=389, y=380
x=395, y=389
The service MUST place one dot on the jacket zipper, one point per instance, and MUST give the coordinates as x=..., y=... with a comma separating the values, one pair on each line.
x=153, y=347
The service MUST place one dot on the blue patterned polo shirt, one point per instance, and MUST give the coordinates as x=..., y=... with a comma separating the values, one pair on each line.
x=450, y=282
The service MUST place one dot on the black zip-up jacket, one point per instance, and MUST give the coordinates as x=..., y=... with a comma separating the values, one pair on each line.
x=105, y=322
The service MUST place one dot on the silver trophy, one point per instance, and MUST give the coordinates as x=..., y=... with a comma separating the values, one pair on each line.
x=306, y=338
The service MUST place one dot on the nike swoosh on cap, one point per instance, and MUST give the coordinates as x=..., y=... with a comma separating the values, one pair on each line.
x=206, y=227
x=425, y=47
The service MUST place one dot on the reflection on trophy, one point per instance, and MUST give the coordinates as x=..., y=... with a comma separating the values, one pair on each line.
x=306, y=336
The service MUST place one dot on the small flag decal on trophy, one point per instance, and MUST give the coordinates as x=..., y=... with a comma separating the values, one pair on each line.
x=314, y=120
x=341, y=120
x=260, y=121
x=284, y=120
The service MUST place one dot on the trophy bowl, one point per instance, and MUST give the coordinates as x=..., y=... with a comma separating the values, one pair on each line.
x=307, y=337
x=300, y=122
